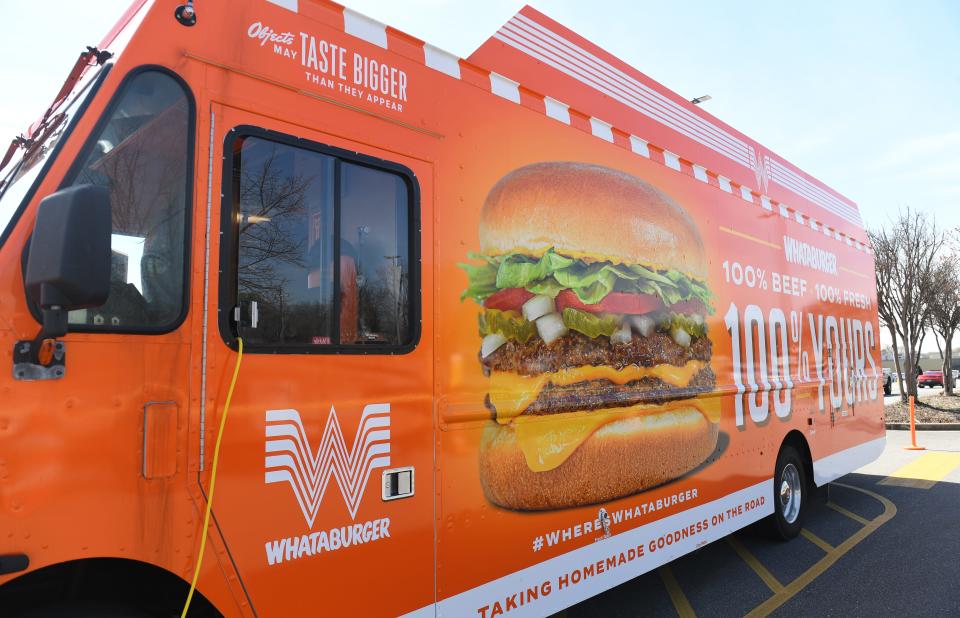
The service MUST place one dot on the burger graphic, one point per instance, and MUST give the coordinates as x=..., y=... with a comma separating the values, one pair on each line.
x=594, y=306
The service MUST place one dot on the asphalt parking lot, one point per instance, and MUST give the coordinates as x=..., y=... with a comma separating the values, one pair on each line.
x=886, y=541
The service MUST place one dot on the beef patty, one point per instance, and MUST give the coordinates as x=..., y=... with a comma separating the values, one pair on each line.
x=596, y=394
x=576, y=350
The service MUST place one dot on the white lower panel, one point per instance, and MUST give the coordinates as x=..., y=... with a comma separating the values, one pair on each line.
x=564, y=580
x=834, y=466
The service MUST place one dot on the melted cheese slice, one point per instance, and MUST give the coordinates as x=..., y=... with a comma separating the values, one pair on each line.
x=511, y=393
x=548, y=440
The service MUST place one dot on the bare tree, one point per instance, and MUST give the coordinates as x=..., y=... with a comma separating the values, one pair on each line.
x=885, y=257
x=272, y=202
x=905, y=253
x=945, y=311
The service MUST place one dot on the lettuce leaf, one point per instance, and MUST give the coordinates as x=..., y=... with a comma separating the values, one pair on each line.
x=553, y=273
x=483, y=281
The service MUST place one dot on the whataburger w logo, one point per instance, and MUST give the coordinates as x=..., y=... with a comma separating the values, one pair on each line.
x=290, y=459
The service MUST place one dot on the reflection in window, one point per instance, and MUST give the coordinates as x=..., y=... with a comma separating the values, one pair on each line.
x=141, y=156
x=285, y=256
x=288, y=251
x=374, y=213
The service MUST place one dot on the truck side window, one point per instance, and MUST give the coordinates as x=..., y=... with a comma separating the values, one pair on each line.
x=373, y=207
x=285, y=250
x=322, y=247
x=140, y=153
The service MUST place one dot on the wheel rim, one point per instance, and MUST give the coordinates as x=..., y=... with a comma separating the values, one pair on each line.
x=790, y=493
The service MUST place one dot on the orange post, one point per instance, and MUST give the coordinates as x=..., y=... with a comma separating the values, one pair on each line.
x=913, y=430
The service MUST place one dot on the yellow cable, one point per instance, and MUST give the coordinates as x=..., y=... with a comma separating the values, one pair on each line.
x=213, y=478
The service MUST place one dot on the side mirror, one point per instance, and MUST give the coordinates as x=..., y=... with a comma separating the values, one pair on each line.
x=68, y=266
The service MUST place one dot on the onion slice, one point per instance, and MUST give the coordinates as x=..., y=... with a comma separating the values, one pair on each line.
x=491, y=343
x=681, y=336
x=643, y=324
x=622, y=335
x=551, y=327
x=537, y=307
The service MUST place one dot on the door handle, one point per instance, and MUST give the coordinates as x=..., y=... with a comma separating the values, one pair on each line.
x=398, y=483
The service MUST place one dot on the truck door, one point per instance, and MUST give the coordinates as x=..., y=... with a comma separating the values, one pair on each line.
x=92, y=450
x=325, y=497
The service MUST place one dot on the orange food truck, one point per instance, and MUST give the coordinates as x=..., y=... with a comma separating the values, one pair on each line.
x=321, y=319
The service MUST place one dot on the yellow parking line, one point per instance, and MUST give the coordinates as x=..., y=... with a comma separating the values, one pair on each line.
x=827, y=547
x=893, y=481
x=680, y=601
x=846, y=513
x=924, y=472
x=768, y=578
x=791, y=589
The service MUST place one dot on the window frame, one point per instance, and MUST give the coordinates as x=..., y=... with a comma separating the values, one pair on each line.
x=77, y=165
x=229, y=246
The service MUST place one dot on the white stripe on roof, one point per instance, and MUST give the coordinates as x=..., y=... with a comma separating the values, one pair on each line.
x=537, y=41
x=789, y=179
x=603, y=130
x=570, y=59
x=440, y=60
x=504, y=87
x=557, y=110
x=290, y=5
x=365, y=28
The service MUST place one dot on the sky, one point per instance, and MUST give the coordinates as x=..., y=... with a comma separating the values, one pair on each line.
x=864, y=95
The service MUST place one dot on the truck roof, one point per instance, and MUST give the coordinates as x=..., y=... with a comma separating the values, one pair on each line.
x=533, y=50
x=538, y=63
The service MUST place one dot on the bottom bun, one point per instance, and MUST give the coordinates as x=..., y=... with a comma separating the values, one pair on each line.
x=620, y=458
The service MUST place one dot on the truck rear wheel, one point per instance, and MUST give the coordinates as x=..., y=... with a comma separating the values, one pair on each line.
x=790, y=496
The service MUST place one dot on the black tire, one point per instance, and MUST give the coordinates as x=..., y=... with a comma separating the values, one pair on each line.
x=87, y=609
x=790, y=496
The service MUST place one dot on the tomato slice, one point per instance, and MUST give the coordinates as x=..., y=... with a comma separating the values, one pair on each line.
x=614, y=302
x=689, y=307
x=509, y=299
x=512, y=299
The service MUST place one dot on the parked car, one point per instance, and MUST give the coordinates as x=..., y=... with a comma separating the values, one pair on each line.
x=887, y=381
x=930, y=378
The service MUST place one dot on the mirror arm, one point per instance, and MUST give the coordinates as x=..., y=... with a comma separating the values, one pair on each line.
x=43, y=357
x=54, y=326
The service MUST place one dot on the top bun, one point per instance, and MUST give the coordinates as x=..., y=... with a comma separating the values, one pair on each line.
x=592, y=213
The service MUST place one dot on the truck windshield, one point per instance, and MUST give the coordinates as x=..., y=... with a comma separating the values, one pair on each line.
x=25, y=173
x=140, y=152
